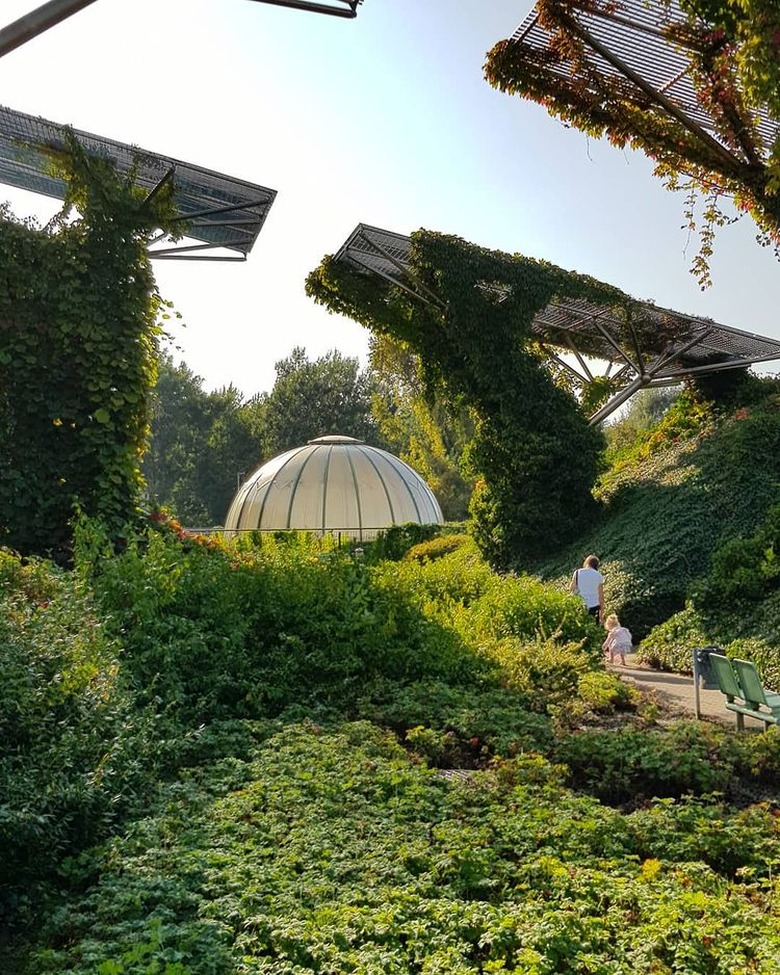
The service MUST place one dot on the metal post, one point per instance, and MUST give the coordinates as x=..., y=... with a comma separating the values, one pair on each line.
x=37, y=21
x=696, y=700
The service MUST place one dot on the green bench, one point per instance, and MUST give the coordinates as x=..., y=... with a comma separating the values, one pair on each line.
x=739, y=682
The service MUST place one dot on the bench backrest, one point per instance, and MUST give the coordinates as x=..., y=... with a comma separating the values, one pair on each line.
x=725, y=676
x=752, y=689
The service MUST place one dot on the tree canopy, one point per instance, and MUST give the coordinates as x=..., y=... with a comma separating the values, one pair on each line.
x=311, y=399
x=201, y=443
x=417, y=424
x=720, y=140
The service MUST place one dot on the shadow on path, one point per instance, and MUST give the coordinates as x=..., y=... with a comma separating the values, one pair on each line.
x=677, y=692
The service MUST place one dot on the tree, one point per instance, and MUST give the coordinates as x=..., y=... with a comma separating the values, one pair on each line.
x=199, y=446
x=421, y=427
x=312, y=399
x=717, y=140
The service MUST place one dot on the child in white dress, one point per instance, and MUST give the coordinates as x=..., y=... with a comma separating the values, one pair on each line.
x=619, y=640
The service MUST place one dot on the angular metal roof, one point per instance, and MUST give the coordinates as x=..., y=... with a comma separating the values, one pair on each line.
x=647, y=46
x=641, y=343
x=218, y=211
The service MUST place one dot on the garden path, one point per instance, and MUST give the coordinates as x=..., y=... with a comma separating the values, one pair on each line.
x=677, y=692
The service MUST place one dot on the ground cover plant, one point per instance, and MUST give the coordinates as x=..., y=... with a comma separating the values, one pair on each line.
x=688, y=497
x=329, y=850
x=327, y=762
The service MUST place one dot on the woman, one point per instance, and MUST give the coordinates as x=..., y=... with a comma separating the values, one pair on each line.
x=588, y=583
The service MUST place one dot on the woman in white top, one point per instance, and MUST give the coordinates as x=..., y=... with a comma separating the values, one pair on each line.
x=588, y=583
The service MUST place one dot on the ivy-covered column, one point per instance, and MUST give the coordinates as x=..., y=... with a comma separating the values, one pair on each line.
x=78, y=337
x=534, y=452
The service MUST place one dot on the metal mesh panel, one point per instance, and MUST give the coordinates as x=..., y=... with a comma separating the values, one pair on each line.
x=219, y=210
x=635, y=31
x=374, y=249
x=686, y=341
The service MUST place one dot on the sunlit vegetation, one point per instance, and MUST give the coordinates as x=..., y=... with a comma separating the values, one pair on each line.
x=282, y=756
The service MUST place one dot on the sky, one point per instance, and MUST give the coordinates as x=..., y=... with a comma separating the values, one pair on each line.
x=385, y=119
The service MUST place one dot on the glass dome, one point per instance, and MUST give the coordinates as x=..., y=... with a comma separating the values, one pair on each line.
x=333, y=484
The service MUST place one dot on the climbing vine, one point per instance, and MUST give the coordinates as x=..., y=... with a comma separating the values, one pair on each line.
x=533, y=450
x=79, y=324
x=732, y=49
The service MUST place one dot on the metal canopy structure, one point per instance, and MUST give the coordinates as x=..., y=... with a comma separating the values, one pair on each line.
x=647, y=47
x=221, y=213
x=55, y=11
x=641, y=344
x=336, y=8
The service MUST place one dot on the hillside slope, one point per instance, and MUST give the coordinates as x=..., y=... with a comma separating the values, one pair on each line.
x=705, y=475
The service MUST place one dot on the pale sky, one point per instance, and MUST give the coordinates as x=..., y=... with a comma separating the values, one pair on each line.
x=386, y=120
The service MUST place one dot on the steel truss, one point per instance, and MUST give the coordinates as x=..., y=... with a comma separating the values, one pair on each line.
x=637, y=345
x=223, y=214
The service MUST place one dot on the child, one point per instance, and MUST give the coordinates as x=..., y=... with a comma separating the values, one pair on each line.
x=619, y=640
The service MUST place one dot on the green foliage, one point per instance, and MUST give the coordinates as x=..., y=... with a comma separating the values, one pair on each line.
x=312, y=399
x=329, y=850
x=468, y=723
x=75, y=750
x=395, y=542
x=605, y=693
x=671, y=644
x=646, y=408
x=683, y=489
x=626, y=766
x=533, y=450
x=436, y=548
x=730, y=47
x=744, y=571
x=548, y=672
x=416, y=423
x=310, y=709
x=523, y=607
x=79, y=326
x=215, y=632
x=200, y=445
x=515, y=622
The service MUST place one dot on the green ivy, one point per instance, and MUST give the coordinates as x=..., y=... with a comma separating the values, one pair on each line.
x=533, y=448
x=79, y=323
x=731, y=52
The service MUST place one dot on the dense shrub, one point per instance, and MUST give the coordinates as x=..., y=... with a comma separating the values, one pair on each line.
x=75, y=753
x=625, y=765
x=437, y=547
x=215, y=633
x=670, y=645
x=444, y=585
x=524, y=608
x=393, y=543
x=479, y=721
